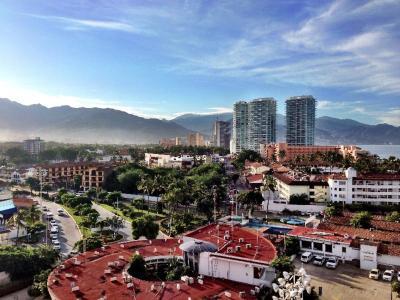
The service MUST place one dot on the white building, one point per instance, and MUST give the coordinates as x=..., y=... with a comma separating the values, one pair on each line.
x=34, y=146
x=168, y=161
x=360, y=188
x=230, y=252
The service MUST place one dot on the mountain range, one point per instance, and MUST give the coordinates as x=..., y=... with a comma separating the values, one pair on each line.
x=110, y=126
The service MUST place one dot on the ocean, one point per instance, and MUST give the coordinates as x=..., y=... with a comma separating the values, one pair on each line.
x=384, y=151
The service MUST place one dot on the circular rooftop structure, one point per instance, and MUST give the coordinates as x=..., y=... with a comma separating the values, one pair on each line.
x=198, y=247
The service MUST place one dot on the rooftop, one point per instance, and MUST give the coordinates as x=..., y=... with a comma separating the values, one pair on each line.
x=326, y=235
x=368, y=177
x=86, y=273
x=301, y=179
x=261, y=249
x=7, y=206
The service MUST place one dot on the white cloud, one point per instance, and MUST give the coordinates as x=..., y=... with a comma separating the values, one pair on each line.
x=391, y=117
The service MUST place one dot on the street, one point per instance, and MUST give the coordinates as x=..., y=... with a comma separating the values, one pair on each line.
x=68, y=231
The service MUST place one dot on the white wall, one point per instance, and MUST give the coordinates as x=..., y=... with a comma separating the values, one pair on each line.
x=368, y=257
x=389, y=260
x=278, y=207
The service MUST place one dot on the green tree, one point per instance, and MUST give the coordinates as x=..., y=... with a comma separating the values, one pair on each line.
x=250, y=199
x=39, y=286
x=90, y=243
x=113, y=197
x=145, y=226
x=396, y=287
x=331, y=211
x=269, y=184
x=116, y=223
x=137, y=268
x=281, y=264
x=393, y=217
x=249, y=155
x=300, y=199
x=33, y=183
x=292, y=246
x=361, y=220
x=130, y=180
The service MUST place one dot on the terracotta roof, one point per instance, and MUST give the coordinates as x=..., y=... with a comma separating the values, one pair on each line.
x=376, y=222
x=290, y=180
x=326, y=235
x=374, y=235
x=22, y=201
x=93, y=283
x=257, y=178
x=213, y=233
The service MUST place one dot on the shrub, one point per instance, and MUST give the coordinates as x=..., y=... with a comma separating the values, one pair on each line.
x=138, y=267
x=361, y=220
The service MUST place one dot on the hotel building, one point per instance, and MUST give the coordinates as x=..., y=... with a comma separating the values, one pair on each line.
x=254, y=123
x=33, y=146
x=351, y=187
x=300, y=120
x=221, y=134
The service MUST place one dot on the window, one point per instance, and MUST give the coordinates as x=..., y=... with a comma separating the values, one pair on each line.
x=306, y=244
x=328, y=248
x=344, y=249
x=318, y=246
x=258, y=272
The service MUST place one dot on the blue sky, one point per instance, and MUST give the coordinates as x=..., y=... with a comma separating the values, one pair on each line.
x=165, y=58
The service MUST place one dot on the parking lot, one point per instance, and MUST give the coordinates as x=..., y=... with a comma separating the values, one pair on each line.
x=346, y=282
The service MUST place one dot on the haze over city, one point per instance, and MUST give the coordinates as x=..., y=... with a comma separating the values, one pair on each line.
x=162, y=59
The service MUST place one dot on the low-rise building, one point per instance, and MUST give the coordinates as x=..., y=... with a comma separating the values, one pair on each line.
x=93, y=174
x=169, y=161
x=314, y=186
x=352, y=187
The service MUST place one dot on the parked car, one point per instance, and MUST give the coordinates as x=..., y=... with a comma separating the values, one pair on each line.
x=54, y=236
x=54, y=229
x=49, y=216
x=319, y=260
x=73, y=253
x=332, y=263
x=44, y=208
x=374, y=274
x=55, y=241
x=388, y=275
x=53, y=222
x=60, y=212
x=398, y=276
x=306, y=257
x=56, y=244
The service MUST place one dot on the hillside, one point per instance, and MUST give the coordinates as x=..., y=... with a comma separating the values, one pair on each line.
x=81, y=125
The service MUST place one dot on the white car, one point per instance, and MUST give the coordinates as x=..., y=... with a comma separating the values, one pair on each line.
x=54, y=229
x=306, y=257
x=53, y=236
x=374, y=274
x=53, y=222
x=57, y=246
x=60, y=212
x=398, y=276
x=388, y=275
x=332, y=263
x=319, y=260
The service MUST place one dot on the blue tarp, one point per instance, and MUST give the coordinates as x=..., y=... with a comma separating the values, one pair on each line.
x=7, y=208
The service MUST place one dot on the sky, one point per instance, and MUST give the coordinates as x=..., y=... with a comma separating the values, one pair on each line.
x=165, y=58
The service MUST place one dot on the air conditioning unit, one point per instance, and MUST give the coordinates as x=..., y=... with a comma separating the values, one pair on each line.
x=226, y=237
x=248, y=246
x=237, y=248
x=229, y=250
x=241, y=240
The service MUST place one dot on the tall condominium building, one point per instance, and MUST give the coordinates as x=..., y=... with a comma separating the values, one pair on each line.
x=300, y=120
x=33, y=146
x=195, y=139
x=254, y=123
x=221, y=134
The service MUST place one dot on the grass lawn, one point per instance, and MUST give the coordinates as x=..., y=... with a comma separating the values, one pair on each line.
x=139, y=212
x=86, y=232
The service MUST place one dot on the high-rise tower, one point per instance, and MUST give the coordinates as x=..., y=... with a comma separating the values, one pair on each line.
x=300, y=120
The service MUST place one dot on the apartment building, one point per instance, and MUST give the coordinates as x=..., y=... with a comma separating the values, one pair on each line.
x=221, y=134
x=33, y=146
x=254, y=123
x=62, y=174
x=195, y=139
x=168, y=161
x=376, y=189
x=300, y=120
x=314, y=186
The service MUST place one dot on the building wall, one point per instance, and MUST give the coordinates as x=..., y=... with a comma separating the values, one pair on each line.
x=368, y=257
x=300, y=120
x=316, y=193
x=388, y=260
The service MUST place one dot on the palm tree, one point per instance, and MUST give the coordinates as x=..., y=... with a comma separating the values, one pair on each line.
x=101, y=224
x=250, y=199
x=145, y=185
x=18, y=220
x=173, y=197
x=32, y=214
x=282, y=155
x=116, y=223
x=269, y=184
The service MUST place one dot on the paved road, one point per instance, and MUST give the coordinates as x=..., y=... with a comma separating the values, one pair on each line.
x=347, y=282
x=125, y=231
x=68, y=231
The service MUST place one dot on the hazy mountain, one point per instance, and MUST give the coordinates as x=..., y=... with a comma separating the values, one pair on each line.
x=81, y=125
x=328, y=130
x=201, y=123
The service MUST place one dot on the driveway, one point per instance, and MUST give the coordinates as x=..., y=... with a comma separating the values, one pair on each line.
x=347, y=282
x=68, y=230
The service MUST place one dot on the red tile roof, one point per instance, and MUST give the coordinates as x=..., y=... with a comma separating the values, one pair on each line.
x=265, y=252
x=89, y=276
x=257, y=178
x=326, y=235
x=313, y=179
x=376, y=222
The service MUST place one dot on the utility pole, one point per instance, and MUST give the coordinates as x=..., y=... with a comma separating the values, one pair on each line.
x=214, y=188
